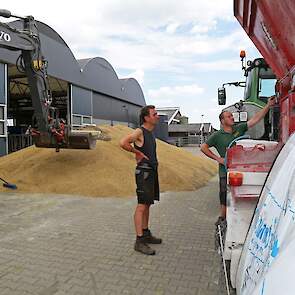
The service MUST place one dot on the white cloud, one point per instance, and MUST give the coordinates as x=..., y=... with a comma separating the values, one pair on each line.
x=209, y=115
x=175, y=93
x=138, y=75
x=187, y=97
x=171, y=29
x=146, y=37
x=204, y=44
x=127, y=33
x=204, y=28
x=219, y=65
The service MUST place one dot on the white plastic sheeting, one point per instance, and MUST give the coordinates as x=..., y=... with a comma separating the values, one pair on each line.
x=267, y=264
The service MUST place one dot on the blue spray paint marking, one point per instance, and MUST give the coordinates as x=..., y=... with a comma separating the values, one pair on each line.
x=255, y=256
x=275, y=248
x=264, y=232
x=265, y=238
x=274, y=199
x=283, y=208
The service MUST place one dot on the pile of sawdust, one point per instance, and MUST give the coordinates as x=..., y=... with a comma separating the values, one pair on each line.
x=105, y=171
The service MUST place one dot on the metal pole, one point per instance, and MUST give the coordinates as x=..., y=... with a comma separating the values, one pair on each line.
x=202, y=128
x=127, y=116
x=223, y=260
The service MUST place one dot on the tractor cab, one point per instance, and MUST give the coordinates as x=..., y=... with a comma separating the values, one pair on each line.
x=258, y=87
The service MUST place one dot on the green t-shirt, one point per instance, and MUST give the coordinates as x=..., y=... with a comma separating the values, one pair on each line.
x=221, y=139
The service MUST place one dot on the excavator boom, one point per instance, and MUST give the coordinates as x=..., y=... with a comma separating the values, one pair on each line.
x=48, y=130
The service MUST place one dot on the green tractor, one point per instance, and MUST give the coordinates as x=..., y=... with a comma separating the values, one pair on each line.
x=259, y=86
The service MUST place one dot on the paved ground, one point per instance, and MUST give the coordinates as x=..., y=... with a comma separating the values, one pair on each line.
x=78, y=245
x=195, y=149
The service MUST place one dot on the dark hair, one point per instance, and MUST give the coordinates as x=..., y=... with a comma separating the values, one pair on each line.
x=221, y=116
x=145, y=111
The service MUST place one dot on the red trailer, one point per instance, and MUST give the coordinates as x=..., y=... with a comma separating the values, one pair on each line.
x=270, y=25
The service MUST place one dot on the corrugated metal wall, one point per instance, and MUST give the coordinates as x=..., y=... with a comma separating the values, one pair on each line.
x=102, y=108
x=109, y=108
x=81, y=101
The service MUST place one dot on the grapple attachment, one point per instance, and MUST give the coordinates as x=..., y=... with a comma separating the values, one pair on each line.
x=83, y=139
x=75, y=139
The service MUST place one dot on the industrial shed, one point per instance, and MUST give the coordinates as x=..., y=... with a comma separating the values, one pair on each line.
x=86, y=91
x=194, y=133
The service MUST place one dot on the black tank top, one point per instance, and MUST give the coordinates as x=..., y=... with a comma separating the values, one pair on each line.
x=148, y=148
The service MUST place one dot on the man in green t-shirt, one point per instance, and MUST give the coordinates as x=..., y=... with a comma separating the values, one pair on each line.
x=222, y=138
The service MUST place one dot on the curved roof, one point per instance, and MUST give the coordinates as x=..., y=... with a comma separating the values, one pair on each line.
x=85, y=62
x=131, y=84
x=92, y=73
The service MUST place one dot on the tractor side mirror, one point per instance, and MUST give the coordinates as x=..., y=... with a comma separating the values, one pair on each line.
x=221, y=96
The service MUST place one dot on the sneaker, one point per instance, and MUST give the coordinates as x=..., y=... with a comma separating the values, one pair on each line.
x=150, y=239
x=142, y=247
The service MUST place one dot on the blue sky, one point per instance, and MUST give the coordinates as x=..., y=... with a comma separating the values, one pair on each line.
x=179, y=51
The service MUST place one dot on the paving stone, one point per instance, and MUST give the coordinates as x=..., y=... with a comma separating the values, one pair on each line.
x=81, y=245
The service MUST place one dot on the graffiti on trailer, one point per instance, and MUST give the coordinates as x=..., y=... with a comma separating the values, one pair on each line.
x=263, y=247
x=264, y=244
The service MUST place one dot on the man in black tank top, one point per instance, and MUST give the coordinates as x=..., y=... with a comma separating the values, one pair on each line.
x=146, y=176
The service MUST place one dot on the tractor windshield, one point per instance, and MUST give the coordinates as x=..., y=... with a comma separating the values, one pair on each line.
x=267, y=82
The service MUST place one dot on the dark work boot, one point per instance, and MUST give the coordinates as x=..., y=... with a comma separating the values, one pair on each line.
x=220, y=220
x=150, y=239
x=142, y=247
x=220, y=224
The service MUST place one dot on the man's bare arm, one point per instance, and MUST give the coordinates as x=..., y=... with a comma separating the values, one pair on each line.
x=127, y=141
x=206, y=150
x=261, y=114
